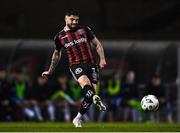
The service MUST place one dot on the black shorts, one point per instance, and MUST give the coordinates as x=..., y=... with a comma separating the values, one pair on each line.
x=90, y=70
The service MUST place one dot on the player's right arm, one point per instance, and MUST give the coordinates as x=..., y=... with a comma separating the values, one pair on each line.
x=55, y=59
x=54, y=62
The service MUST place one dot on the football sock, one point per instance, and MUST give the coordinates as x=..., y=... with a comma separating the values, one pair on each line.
x=79, y=115
x=88, y=93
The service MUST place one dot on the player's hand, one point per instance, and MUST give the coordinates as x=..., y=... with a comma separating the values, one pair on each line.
x=45, y=74
x=102, y=63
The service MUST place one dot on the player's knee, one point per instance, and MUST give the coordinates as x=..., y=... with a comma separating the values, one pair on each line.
x=84, y=80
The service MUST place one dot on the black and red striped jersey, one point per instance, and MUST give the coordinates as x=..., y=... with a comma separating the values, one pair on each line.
x=76, y=43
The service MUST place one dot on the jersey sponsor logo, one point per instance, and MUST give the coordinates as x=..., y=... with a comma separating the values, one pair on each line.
x=80, y=40
x=68, y=44
x=78, y=70
x=75, y=42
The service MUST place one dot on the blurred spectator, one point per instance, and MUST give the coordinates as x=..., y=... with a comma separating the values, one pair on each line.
x=129, y=95
x=67, y=95
x=75, y=90
x=6, y=111
x=62, y=97
x=41, y=93
x=157, y=88
x=20, y=89
x=113, y=90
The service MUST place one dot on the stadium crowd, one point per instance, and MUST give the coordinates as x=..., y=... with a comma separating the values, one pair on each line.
x=57, y=100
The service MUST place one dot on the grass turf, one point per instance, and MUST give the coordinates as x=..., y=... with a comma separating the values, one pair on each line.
x=88, y=127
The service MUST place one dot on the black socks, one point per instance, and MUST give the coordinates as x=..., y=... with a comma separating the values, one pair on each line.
x=88, y=93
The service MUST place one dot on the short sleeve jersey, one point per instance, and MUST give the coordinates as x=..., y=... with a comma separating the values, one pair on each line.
x=76, y=44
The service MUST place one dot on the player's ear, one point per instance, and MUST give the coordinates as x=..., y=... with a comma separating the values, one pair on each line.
x=65, y=18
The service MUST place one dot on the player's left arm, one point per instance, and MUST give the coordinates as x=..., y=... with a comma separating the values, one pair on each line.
x=100, y=51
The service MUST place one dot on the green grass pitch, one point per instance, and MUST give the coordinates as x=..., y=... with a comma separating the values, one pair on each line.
x=88, y=127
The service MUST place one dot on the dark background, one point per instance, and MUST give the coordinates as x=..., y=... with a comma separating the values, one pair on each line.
x=110, y=19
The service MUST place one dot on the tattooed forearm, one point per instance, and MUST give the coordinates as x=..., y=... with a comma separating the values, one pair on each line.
x=99, y=48
x=54, y=61
x=100, y=51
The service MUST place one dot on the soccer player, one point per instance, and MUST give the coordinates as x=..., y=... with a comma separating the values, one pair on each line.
x=76, y=41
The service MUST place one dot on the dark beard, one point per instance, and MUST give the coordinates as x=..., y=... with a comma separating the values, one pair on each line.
x=72, y=28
